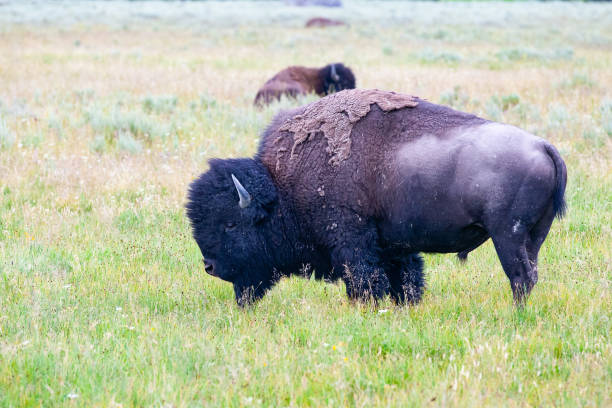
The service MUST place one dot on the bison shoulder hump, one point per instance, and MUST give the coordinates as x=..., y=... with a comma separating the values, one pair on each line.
x=336, y=114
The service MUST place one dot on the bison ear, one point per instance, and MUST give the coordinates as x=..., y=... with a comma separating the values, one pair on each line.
x=243, y=194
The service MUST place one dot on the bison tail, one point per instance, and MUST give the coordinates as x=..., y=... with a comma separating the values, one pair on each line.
x=561, y=180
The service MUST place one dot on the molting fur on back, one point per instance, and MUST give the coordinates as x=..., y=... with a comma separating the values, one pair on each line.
x=335, y=116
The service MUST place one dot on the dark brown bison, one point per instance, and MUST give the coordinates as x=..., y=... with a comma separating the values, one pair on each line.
x=294, y=81
x=323, y=22
x=356, y=185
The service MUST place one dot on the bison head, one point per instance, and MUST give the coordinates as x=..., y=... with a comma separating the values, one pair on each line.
x=337, y=77
x=234, y=218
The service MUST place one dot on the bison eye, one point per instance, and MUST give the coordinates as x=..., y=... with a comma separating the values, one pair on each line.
x=229, y=226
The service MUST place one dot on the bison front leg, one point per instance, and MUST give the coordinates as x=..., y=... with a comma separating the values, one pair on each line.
x=405, y=273
x=364, y=281
x=361, y=270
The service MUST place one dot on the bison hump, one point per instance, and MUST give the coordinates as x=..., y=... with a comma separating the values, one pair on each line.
x=336, y=114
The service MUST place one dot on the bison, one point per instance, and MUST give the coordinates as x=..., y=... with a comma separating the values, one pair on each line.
x=355, y=185
x=295, y=80
x=322, y=3
x=323, y=22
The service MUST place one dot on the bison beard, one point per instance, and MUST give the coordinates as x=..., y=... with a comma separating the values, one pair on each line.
x=356, y=185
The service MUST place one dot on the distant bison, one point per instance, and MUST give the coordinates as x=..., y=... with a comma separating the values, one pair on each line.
x=294, y=81
x=320, y=3
x=355, y=185
x=323, y=22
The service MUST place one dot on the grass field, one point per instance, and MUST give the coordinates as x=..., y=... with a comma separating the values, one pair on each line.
x=109, y=110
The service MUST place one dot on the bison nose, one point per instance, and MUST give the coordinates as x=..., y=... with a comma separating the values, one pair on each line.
x=209, y=268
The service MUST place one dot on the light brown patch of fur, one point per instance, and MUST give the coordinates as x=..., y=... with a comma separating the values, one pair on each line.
x=336, y=114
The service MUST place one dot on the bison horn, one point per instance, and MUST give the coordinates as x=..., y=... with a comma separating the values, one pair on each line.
x=245, y=197
x=334, y=74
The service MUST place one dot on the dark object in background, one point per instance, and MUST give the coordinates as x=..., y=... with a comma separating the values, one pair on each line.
x=322, y=3
x=295, y=80
x=356, y=184
x=323, y=22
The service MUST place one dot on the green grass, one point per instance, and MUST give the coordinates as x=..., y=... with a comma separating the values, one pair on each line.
x=105, y=118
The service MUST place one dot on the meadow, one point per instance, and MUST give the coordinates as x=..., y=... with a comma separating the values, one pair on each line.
x=108, y=110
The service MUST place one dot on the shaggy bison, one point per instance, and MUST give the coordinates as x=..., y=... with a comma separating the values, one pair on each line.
x=355, y=185
x=295, y=81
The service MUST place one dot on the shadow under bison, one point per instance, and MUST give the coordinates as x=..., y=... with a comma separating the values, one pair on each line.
x=354, y=186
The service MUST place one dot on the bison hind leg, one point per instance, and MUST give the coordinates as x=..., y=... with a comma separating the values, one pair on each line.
x=406, y=279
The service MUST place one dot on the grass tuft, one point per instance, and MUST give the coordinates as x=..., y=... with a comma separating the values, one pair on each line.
x=433, y=57
x=112, y=125
x=456, y=98
x=605, y=110
x=530, y=54
x=127, y=142
x=7, y=137
x=159, y=104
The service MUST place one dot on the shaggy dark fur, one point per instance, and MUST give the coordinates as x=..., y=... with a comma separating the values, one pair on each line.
x=416, y=179
x=251, y=247
x=294, y=81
